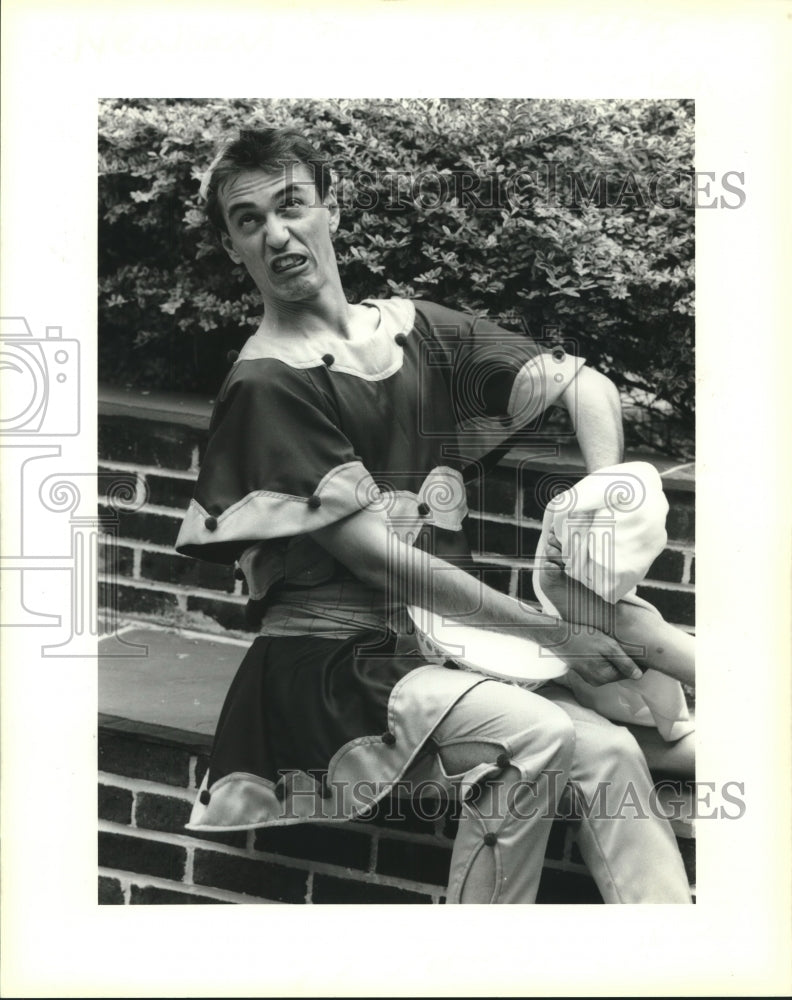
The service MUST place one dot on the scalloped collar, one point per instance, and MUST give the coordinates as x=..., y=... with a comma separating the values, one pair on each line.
x=374, y=356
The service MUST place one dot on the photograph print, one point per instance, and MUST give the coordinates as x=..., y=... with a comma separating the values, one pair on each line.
x=396, y=445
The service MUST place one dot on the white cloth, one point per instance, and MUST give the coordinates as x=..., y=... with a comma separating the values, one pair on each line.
x=611, y=527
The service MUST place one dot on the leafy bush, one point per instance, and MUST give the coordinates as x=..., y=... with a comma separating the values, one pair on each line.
x=572, y=219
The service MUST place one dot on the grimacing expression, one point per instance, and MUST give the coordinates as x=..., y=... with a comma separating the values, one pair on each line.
x=281, y=231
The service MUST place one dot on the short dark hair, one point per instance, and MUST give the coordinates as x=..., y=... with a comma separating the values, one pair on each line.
x=261, y=149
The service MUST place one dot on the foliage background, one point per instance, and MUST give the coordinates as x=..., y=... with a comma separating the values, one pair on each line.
x=572, y=219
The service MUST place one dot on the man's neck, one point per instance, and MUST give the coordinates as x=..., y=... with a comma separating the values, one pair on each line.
x=328, y=311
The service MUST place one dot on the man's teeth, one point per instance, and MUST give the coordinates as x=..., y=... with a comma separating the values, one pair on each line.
x=285, y=263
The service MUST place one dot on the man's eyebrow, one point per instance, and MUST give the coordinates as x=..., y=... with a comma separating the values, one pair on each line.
x=288, y=188
x=238, y=206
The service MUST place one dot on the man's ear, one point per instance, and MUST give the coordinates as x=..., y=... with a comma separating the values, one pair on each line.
x=225, y=239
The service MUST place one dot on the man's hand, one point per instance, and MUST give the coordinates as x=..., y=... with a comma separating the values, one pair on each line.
x=595, y=656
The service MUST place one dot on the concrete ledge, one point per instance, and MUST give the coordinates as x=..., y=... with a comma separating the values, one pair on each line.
x=179, y=683
x=155, y=404
x=153, y=733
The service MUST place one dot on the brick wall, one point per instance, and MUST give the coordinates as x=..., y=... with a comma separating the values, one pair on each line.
x=149, y=456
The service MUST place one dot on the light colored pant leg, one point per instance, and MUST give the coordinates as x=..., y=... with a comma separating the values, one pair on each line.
x=524, y=745
x=630, y=850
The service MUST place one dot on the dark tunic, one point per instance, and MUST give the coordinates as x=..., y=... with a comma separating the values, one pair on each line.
x=306, y=432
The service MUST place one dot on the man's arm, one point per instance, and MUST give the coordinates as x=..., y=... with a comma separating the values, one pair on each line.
x=366, y=545
x=592, y=401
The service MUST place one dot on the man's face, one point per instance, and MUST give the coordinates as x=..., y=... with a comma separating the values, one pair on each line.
x=281, y=231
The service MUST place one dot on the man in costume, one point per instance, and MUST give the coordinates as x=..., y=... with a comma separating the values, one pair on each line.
x=333, y=478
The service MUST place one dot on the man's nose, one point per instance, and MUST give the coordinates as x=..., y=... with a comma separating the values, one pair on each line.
x=276, y=235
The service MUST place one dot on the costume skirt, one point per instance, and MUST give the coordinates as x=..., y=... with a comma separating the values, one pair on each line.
x=309, y=721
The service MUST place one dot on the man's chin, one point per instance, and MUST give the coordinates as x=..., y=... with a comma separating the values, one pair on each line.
x=299, y=289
